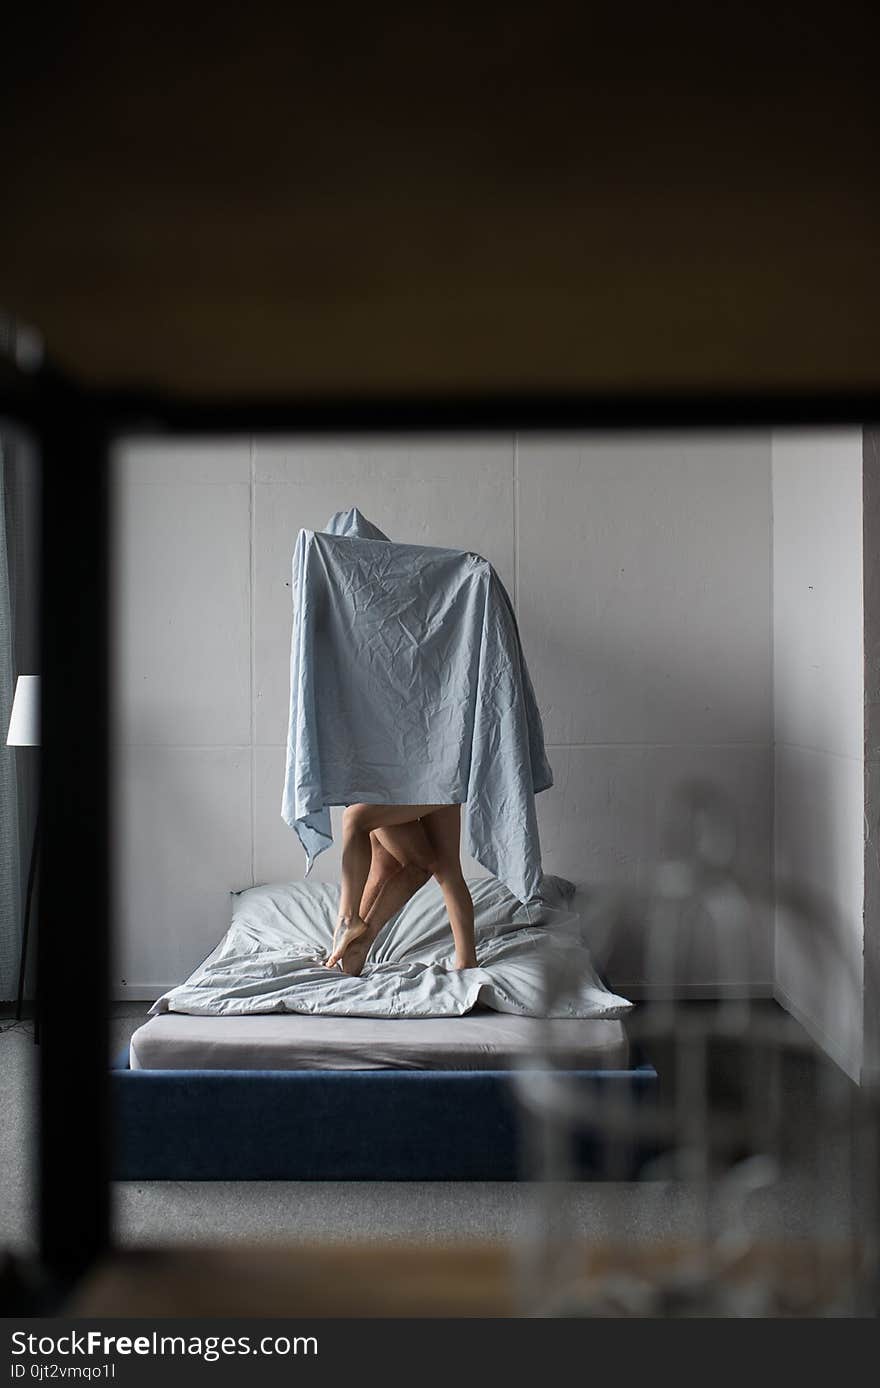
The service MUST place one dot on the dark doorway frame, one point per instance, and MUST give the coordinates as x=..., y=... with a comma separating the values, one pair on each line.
x=74, y=428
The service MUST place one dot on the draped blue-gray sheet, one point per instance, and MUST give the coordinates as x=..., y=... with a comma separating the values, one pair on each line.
x=408, y=686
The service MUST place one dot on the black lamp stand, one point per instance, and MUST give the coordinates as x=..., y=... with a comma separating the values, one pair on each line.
x=32, y=876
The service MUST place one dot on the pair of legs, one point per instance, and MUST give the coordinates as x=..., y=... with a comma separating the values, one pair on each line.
x=388, y=853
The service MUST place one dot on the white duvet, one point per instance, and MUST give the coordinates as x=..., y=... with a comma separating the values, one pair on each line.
x=270, y=959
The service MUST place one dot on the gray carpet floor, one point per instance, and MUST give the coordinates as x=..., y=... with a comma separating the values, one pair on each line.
x=432, y=1212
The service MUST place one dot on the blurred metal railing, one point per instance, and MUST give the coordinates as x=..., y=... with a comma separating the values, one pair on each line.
x=756, y=1157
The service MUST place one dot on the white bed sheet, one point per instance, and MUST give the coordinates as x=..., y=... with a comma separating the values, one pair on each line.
x=271, y=959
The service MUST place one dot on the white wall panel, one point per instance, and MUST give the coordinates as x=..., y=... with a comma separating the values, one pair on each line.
x=604, y=823
x=819, y=844
x=183, y=843
x=819, y=728
x=168, y=462
x=182, y=634
x=644, y=581
x=817, y=589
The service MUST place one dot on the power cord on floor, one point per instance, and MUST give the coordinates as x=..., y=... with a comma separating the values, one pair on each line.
x=23, y=1025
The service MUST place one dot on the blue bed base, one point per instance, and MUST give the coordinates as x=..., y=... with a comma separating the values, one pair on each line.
x=337, y=1125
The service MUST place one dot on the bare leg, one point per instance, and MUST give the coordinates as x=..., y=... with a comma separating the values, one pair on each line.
x=460, y=905
x=357, y=857
x=395, y=894
x=383, y=866
x=402, y=860
x=357, y=824
x=443, y=828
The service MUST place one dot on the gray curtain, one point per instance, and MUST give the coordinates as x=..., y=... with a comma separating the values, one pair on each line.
x=19, y=655
x=10, y=848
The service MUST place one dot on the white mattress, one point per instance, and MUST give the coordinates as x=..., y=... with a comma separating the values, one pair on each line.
x=290, y=1041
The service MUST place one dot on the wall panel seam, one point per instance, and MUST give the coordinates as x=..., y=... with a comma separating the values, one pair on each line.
x=818, y=751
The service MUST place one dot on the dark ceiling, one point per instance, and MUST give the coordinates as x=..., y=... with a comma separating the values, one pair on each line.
x=412, y=198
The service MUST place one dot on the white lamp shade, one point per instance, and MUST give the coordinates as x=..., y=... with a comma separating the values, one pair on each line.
x=24, y=722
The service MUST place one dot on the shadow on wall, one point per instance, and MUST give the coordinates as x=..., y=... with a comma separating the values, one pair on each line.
x=603, y=822
x=819, y=848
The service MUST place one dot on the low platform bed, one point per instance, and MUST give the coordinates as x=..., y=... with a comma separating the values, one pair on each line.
x=317, y=1098
x=264, y=1065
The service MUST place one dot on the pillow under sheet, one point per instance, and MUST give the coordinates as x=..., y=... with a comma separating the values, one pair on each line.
x=271, y=959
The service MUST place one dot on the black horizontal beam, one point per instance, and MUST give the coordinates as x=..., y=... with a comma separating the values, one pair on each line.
x=155, y=411
x=150, y=411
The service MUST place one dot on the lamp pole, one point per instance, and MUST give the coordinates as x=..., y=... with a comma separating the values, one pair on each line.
x=24, y=731
x=32, y=876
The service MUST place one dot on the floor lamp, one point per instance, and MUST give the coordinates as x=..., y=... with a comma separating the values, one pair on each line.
x=24, y=731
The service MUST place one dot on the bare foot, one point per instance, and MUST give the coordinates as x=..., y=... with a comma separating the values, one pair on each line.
x=470, y=962
x=355, y=956
x=347, y=931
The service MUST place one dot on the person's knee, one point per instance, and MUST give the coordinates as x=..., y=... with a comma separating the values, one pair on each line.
x=419, y=859
x=357, y=819
x=416, y=875
x=447, y=872
x=422, y=858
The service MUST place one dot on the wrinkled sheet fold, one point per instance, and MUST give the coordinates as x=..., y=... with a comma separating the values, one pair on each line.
x=271, y=959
